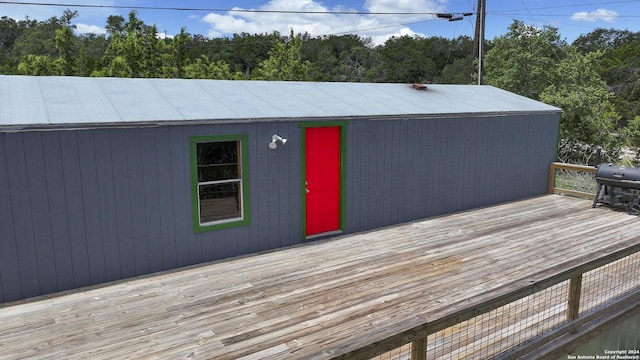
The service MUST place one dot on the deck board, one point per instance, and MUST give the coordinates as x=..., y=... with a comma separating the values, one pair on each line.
x=323, y=299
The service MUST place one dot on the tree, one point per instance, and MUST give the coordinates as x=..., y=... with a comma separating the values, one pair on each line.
x=632, y=136
x=10, y=32
x=178, y=53
x=247, y=50
x=284, y=62
x=520, y=60
x=203, y=68
x=135, y=49
x=403, y=59
x=41, y=65
x=458, y=72
x=603, y=39
x=620, y=68
x=338, y=58
x=91, y=49
x=537, y=64
x=66, y=42
x=355, y=64
x=588, y=118
x=115, y=25
x=39, y=38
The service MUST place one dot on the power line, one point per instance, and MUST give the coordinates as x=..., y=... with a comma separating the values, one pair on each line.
x=596, y=16
x=332, y=12
x=569, y=6
x=95, y=6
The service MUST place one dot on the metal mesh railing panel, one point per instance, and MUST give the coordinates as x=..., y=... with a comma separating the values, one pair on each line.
x=510, y=326
x=602, y=285
x=501, y=329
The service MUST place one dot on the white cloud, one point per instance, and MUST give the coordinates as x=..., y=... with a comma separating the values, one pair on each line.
x=377, y=27
x=90, y=29
x=609, y=16
x=39, y=12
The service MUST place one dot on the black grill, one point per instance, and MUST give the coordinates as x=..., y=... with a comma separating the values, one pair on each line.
x=618, y=186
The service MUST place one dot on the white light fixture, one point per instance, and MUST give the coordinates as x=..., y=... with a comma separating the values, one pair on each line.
x=274, y=141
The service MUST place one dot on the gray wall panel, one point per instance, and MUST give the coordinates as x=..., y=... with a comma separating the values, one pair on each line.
x=137, y=201
x=10, y=286
x=58, y=214
x=421, y=168
x=180, y=175
x=151, y=203
x=122, y=196
x=39, y=204
x=260, y=195
x=91, y=206
x=27, y=265
x=116, y=203
x=75, y=207
x=106, y=203
x=29, y=276
x=166, y=198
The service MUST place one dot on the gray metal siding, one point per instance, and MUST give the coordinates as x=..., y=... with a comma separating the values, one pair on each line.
x=405, y=170
x=82, y=207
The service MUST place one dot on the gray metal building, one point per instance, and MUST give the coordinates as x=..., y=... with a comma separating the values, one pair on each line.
x=103, y=179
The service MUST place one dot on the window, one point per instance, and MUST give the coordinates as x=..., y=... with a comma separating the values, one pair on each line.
x=220, y=182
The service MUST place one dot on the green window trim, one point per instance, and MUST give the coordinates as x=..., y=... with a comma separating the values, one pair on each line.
x=242, y=181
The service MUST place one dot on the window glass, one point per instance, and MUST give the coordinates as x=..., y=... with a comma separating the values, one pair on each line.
x=219, y=202
x=218, y=161
x=219, y=181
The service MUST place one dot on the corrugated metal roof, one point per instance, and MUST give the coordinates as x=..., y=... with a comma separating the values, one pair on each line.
x=51, y=102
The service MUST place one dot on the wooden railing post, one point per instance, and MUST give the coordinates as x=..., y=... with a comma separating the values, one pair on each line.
x=552, y=178
x=419, y=349
x=573, y=305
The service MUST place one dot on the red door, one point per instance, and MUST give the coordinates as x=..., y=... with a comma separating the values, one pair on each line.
x=322, y=179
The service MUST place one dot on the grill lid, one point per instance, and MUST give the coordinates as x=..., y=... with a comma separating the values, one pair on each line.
x=618, y=175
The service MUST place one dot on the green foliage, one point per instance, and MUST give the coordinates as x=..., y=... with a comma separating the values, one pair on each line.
x=65, y=44
x=339, y=58
x=284, y=62
x=520, y=60
x=403, y=59
x=42, y=65
x=588, y=118
x=537, y=64
x=620, y=66
x=10, y=31
x=90, y=50
x=203, y=68
x=37, y=39
x=248, y=50
x=603, y=39
x=458, y=72
x=632, y=137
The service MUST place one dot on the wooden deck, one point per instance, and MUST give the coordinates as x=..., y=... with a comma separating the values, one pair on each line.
x=324, y=299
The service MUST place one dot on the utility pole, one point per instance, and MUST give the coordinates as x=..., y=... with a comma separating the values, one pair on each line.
x=478, y=39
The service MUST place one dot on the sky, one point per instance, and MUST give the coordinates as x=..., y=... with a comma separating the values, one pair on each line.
x=374, y=19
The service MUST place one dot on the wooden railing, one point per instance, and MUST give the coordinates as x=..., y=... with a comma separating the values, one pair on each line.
x=574, y=316
x=553, y=189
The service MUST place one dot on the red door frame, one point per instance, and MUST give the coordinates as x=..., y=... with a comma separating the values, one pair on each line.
x=325, y=199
